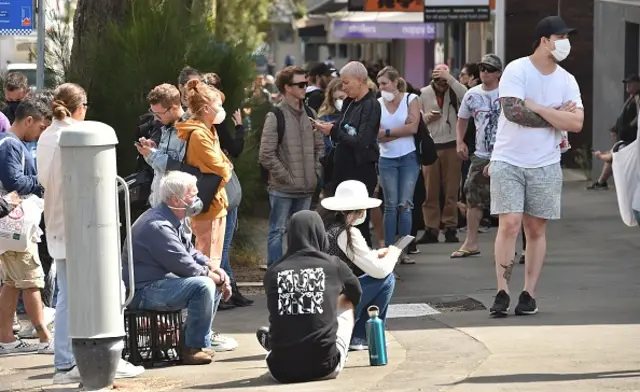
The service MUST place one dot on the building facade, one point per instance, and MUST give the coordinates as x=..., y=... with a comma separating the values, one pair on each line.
x=616, y=54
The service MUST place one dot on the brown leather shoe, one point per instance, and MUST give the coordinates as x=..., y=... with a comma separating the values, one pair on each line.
x=195, y=356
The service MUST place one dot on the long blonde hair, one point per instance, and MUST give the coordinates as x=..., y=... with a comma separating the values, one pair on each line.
x=328, y=107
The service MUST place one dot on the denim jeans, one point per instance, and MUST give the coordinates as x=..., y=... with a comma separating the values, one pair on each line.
x=198, y=295
x=63, y=354
x=376, y=292
x=398, y=178
x=282, y=207
x=232, y=218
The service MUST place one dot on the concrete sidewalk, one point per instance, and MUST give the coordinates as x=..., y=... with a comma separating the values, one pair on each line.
x=585, y=338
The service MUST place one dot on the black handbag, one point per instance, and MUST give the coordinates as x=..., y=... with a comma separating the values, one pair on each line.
x=425, y=146
x=208, y=183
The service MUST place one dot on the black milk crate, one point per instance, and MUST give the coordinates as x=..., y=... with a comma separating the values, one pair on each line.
x=152, y=338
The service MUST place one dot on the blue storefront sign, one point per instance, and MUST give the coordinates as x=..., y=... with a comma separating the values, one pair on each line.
x=16, y=17
x=383, y=30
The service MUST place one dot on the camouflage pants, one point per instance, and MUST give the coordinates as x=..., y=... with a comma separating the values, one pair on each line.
x=477, y=187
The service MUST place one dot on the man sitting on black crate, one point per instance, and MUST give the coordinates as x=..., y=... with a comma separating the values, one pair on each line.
x=170, y=274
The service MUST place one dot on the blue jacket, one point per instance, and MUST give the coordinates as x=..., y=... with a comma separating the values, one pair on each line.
x=162, y=249
x=18, y=167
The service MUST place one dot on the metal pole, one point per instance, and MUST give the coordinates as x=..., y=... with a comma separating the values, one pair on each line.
x=41, y=38
x=499, y=28
x=559, y=6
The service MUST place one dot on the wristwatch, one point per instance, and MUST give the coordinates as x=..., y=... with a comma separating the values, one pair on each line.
x=387, y=132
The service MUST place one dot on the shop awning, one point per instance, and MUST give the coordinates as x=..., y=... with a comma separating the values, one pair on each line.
x=327, y=6
x=392, y=17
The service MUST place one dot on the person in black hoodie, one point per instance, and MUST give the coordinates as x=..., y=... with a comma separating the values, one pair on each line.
x=355, y=134
x=311, y=297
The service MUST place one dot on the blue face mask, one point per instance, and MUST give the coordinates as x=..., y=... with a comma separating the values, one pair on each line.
x=192, y=209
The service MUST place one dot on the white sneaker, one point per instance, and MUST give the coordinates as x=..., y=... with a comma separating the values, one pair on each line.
x=49, y=319
x=16, y=324
x=17, y=346
x=67, y=377
x=46, y=347
x=127, y=370
x=220, y=342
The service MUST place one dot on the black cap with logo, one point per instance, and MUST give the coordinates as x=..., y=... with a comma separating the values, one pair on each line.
x=632, y=78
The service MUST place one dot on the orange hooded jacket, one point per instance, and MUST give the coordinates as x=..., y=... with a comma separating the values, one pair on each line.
x=204, y=152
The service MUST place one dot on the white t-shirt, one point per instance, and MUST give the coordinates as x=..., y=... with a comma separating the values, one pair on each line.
x=484, y=107
x=403, y=145
x=532, y=147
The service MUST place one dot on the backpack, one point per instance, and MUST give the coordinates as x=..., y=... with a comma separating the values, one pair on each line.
x=264, y=173
x=425, y=147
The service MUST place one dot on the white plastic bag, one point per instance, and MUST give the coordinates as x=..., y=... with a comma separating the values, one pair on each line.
x=564, y=143
x=22, y=225
x=627, y=178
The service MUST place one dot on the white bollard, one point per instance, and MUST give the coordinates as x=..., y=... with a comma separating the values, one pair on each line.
x=94, y=274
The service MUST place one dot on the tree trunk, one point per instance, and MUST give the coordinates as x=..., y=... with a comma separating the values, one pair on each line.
x=91, y=18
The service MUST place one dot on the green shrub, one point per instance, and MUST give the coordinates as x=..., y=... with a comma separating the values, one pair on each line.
x=152, y=45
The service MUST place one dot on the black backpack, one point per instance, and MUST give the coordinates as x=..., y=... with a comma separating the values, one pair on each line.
x=425, y=147
x=264, y=173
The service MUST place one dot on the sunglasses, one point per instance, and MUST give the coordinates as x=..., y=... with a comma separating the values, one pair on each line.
x=484, y=68
x=300, y=85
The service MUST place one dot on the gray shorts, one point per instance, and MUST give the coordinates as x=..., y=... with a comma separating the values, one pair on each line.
x=536, y=192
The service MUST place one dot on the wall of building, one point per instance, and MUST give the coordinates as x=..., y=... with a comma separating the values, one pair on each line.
x=414, y=62
x=609, y=65
x=522, y=17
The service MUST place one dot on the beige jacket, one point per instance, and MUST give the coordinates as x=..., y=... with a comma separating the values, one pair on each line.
x=294, y=165
x=443, y=131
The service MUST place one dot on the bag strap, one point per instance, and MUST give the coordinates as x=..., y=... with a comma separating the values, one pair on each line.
x=279, y=123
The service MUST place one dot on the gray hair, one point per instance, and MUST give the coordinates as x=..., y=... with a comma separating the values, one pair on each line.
x=176, y=183
x=355, y=69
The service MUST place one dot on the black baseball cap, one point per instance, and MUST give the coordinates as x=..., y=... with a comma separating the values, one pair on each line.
x=551, y=25
x=320, y=69
x=631, y=78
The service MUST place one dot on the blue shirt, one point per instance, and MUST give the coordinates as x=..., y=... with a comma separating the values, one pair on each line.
x=18, y=167
x=162, y=249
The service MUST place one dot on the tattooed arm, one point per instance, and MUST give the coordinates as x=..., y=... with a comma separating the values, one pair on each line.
x=516, y=111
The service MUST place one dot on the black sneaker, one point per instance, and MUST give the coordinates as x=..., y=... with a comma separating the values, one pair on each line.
x=226, y=305
x=413, y=248
x=451, y=236
x=263, y=337
x=598, y=186
x=526, y=305
x=429, y=237
x=522, y=259
x=500, y=305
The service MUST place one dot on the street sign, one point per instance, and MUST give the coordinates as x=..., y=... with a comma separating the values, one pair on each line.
x=386, y=5
x=457, y=11
x=16, y=17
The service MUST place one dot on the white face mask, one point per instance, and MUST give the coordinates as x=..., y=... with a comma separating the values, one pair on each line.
x=338, y=104
x=562, y=50
x=220, y=116
x=387, y=96
x=360, y=220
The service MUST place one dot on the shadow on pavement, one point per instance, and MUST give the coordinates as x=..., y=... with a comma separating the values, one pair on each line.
x=547, y=377
x=261, y=381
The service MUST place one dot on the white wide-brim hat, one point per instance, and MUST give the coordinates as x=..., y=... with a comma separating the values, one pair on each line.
x=350, y=196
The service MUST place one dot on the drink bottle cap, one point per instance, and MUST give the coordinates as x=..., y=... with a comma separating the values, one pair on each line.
x=373, y=311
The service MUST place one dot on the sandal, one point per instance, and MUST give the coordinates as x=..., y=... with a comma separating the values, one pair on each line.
x=463, y=253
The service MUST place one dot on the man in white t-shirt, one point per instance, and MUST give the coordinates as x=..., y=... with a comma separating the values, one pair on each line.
x=539, y=100
x=482, y=104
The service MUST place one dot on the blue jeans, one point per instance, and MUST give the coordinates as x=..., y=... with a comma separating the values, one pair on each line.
x=63, y=354
x=282, y=207
x=398, y=178
x=376, y=292
x=225, y=263
x=198, y=295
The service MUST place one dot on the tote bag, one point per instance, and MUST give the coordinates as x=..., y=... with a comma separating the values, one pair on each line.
x=234, y=191
x=626, y=174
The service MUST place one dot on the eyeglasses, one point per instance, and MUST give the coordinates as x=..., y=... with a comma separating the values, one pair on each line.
x=158, y=114
x=484, y=68
x=300, y=85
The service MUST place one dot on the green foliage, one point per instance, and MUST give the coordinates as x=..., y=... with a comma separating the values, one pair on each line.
x=155, y=41
x=240, y=21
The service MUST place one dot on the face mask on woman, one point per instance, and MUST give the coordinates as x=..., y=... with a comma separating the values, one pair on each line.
x=387, y=96
x=360, y=220
x=338, y=104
